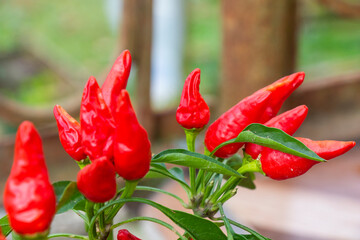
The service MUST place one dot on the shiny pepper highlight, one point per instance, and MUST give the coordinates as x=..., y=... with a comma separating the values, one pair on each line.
x=288, y=121
x=29, y=197
x=193, y=112
x=231, y=123
x=132, y=149
x=69, y=133
x=279, y=166
x=124, y=234
x=281, y=90
x=97, y=123
x=97, y=181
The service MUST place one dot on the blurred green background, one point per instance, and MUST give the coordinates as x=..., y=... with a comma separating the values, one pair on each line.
x=77, y=38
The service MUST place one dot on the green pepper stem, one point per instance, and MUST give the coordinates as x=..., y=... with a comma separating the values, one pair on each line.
x=191, y=135
x=253, y=166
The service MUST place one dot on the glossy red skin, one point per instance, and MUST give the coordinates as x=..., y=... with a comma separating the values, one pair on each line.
x=231, y=123
x=193, y=112
x=124, y=234
x=69, y=133
x=97, y=181
x=288, y=121
x=281, y=90
x=132, y=149
x=29, y=198
x=116, y=80
x=97, y=123
x=2, y=237
x=279, y=166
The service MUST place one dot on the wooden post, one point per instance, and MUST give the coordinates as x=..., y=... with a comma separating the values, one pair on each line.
x=259, y=46
x=136, y=34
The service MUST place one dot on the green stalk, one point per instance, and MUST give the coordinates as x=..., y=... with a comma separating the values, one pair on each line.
x=190, y=141
x=253, y=166
x=89, y=209
x=55, y=235
x=130, y=187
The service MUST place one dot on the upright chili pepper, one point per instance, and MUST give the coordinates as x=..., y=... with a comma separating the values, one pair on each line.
x=124, y=234
x=132, y=146
x=281, y=90
x=69, y=133
x=97, y=123
x=278, y=165
x=29, y=197
x=288, y=121
x=116, y=80
x=231, y=123
x=97, y=181
x=193, y=112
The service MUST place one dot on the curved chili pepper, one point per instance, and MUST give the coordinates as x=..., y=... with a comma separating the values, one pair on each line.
x=124, y=234
x=231, y=123
x=278, y=165
x=97, y=181
x=69, y=133
x=281, y=90
x=97, y=123
x=132, y=146
x=116, y=80
x=29, y=197
x=288, y=121
x=193, y=112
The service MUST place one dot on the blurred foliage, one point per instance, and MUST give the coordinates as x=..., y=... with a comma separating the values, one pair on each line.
x=77, y=35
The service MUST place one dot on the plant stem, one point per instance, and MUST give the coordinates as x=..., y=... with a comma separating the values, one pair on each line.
x=55, y=235
x=130, y=187
x=248, y=167
x=190, y=141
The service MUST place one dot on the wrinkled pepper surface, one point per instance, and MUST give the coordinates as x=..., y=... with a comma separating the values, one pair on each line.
x=69, y=133
x=97, y=123
x=116, y=80
x=279, y=166
x=29, y=197
x=231, y=123
x=97, y=181
x=193, y=112
x=132, y=148
x=124, y=234
x=288, y=121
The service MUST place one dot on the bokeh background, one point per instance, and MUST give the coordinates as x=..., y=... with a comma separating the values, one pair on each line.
x=48, y=50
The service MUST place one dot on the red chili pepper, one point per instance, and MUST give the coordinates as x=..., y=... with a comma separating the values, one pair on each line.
x=288, y=121
x=29, y=197
x=132, y=146
x=97, y=181
x=2, y=237
x=116, y=80
x=97, y=123
x=278, y=165
x=124, y=234
x=193, y=112
x=281, y=90
x=69, y=133
x=232, y=122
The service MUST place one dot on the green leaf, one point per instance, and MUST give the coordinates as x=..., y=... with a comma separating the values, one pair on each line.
x=196, y=160
x=244, y=237
x=273, y=138
x=248, y=181
x=67, y=195
x=5, y=225
x=197, y=227
x=161, y=168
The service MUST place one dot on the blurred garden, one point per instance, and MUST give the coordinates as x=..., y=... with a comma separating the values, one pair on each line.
x=49, y=49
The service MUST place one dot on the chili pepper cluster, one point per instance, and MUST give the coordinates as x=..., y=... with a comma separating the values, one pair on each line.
x=109, y=141
x=260, y=107
x=109, y=134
